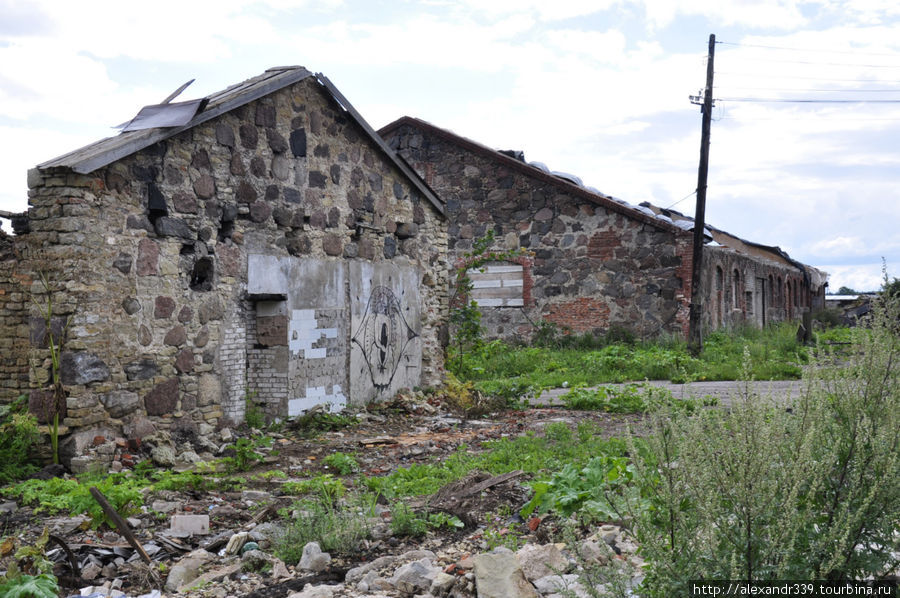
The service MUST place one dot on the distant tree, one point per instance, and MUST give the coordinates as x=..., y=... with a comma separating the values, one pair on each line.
x=846, y=291
x=892, y=288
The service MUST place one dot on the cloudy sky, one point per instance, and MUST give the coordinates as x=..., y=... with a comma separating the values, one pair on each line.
x=598, y=88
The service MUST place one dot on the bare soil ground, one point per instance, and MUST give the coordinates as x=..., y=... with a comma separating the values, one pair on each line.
x=382, y=442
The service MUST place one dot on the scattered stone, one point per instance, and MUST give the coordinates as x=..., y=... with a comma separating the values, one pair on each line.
x=498, y=575
x=313, y=559
x=164, y=456
x=311, y=591
x=541, y=561
x=415, y=577
x=187, y=569
x=91, y=571
x=279, y=569
x=552, y=584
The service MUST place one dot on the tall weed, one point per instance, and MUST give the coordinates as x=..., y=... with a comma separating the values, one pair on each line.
x=776, y=489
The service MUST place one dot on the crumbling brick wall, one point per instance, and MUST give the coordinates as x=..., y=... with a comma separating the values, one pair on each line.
x=742, y=289
x=596, y=264
x=148, y=257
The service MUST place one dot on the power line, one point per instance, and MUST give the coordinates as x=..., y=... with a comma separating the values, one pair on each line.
x=810, y=62
x=768, y=76
x=830, y=119
x=694, y=192
x=851, y=52
x=806, y=101
x=896, y=90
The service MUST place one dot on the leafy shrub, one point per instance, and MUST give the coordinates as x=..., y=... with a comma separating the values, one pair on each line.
x=30, y=573
x=18, y=437
x=343, y=463
x=405, y=522
x=768, y=490
x=245, y=455
x=600, y=491
x=73, y=496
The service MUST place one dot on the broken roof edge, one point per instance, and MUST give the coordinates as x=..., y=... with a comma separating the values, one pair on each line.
x=393, y=156
x=532, y=171
x=125, y=144
x=811, y=275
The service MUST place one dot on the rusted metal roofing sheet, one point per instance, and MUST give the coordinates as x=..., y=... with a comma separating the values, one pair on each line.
x=106, y=151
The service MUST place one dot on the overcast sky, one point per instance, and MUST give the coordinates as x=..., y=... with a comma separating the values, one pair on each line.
x=598, y=88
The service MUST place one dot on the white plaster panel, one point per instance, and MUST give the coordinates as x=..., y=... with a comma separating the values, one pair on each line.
x=318, y=396
x=385, y=324
x=267, y=274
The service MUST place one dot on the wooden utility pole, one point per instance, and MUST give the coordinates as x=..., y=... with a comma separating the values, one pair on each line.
x=695, y=337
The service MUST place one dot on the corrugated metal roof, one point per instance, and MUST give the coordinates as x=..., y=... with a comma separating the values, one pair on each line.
x=106, y=151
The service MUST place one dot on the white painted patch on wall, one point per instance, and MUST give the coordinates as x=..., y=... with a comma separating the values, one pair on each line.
x=303, y=333
x=317, y=395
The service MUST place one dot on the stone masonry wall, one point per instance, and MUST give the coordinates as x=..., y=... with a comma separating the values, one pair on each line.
x=593, y=266
x=148, y=256
x=14, y=330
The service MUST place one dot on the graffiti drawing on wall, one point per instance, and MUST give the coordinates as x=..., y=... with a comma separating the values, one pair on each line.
x=383, y=336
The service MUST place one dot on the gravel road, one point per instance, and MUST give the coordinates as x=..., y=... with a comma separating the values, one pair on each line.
x=722, y=390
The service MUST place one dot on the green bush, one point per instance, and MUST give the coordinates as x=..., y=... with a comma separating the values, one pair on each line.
x=18, y=437
x=73, y=496
x=335, y=529
x=405, y=522
x=774, y=490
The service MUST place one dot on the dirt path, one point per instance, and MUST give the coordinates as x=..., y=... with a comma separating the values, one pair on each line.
x=724, y=391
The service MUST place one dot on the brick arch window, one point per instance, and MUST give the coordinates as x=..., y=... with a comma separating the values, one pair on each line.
x=719, y=278
x=736, y=294
x=780, y=288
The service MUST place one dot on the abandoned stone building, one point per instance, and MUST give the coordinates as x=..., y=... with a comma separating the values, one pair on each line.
x=596, y=261
x=750, y=282
x=263, y=243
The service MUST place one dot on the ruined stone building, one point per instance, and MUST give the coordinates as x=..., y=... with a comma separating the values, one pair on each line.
x=596, y=262
x=750, y=282
x=264, y=243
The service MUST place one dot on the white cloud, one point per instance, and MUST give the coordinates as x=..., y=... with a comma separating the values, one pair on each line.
x=772, y=14
x=861, y=277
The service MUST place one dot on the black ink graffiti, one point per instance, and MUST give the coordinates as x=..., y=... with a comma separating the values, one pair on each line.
x=383, y=336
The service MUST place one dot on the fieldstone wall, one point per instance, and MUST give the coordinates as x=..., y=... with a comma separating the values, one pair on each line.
x=594, y=264
x=148, y=261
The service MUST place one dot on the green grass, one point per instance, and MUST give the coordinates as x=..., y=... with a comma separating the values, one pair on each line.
x=532, y=453
x=508, y=371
